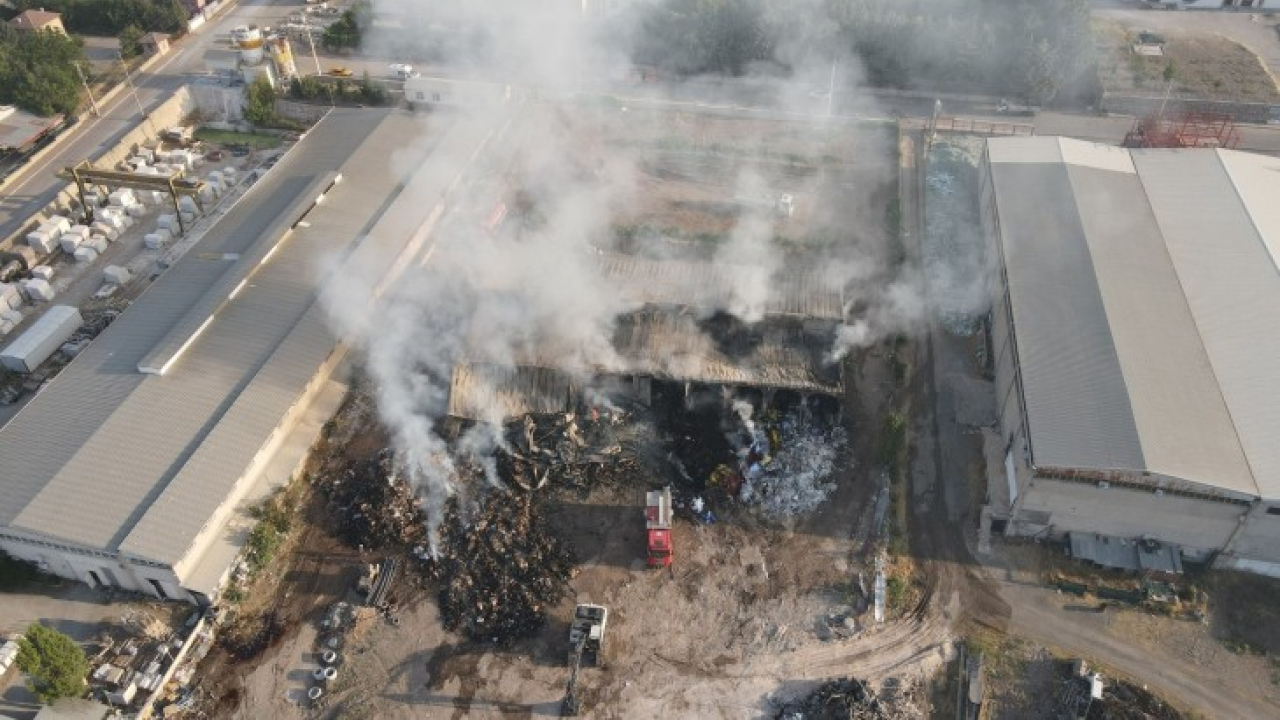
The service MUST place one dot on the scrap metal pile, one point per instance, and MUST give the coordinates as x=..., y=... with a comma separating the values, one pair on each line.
x=784, y=462
x=376, y=508
x=842, y=699
x=579, y=451
x=499, y=568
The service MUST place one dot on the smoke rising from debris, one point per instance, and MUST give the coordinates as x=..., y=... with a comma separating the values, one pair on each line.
x=532, y=292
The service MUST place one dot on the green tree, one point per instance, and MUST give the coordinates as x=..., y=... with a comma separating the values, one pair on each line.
x=131, y=41
x=260, y=103
x=38, y=71
x=345, y=33
x=372, y=93
x=55, y=662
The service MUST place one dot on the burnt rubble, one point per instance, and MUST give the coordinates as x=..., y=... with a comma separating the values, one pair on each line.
x=375, y=507
x=500, y=568
x=842, y=699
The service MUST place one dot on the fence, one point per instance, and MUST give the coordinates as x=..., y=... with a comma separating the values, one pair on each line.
x=1141, y=105
x=969, y=126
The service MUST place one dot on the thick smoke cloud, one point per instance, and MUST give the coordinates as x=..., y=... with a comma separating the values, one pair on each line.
x=533, y=292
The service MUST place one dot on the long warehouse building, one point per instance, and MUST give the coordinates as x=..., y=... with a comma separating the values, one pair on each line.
x=1135, y=334
x=131, y=467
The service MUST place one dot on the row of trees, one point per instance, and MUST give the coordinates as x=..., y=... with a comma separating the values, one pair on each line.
x=110, y=17
x=346, y=32
x=1036, y=49
x=40, y=71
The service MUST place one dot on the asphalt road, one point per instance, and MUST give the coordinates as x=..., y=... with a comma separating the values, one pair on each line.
x=35, y=186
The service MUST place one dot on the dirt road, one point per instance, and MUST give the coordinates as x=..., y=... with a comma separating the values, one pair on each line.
x=1038, y=614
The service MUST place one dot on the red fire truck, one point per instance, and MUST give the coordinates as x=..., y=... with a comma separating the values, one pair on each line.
x=657, y=525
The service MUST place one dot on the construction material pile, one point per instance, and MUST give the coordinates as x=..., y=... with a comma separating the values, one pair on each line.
x=1125, y=701
x=579, y=451
x=786, y=463
x=499, y=567
x=843, y=699
x=376, y=508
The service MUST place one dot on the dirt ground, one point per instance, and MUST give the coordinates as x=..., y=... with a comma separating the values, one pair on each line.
x=1204, y=65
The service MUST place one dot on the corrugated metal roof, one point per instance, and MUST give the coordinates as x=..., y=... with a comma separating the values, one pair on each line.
x=90, y=455
x=1230, y=280
x=1076, y=400
x=492, y=394
x=1149, y=318
x=1146, y=307
x=672, y=345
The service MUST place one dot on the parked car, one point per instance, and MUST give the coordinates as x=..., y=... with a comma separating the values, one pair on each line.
x=340, y=72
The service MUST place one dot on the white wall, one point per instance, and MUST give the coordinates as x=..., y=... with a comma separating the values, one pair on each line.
x=1259, y=535
x=1120, y=512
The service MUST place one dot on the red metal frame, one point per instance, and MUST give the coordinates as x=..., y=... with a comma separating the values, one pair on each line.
x=1184, y=130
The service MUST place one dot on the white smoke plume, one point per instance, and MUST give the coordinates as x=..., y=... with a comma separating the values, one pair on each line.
x=532, y=293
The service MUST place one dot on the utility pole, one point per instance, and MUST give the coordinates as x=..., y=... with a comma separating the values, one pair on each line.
x=831, y=87
x=312, y=42
x=128, y=78
x=93, y=102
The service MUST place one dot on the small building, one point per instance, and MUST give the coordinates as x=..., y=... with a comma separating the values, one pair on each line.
x=154, y=43
x=35, y=20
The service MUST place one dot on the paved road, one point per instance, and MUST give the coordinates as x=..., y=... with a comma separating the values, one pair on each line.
x=34, y=186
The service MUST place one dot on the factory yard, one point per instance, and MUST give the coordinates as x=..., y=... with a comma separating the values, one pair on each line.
x=771, y=590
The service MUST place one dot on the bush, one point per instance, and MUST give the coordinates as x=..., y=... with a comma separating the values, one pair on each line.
x=38, y=71
x=131, y=41
x=893, y=440
x=275, y=519
x=55, y=662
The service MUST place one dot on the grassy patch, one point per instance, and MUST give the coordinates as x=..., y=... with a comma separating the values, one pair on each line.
x=275, y=517
x=258, y=141
x=1198, y=65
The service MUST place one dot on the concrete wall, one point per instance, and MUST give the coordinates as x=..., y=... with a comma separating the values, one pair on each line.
x=1258, y=538
x=218, y=103
x=1142, y=105
x=1055, y=507
x=302, y=112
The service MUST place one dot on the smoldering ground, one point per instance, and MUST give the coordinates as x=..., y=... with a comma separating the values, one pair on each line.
x=533, y=291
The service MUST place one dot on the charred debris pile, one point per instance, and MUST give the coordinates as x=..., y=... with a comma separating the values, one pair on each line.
x=375, y=506
x=852, y=699
x=499, y=567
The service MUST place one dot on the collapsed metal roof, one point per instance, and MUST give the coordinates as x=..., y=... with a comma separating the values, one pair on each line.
x=709, y=286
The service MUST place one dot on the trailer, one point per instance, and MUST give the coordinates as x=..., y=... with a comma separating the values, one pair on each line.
x=42, y=339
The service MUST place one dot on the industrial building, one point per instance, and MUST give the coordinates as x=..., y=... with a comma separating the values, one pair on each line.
x=131, y=467
x=1134, y=332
